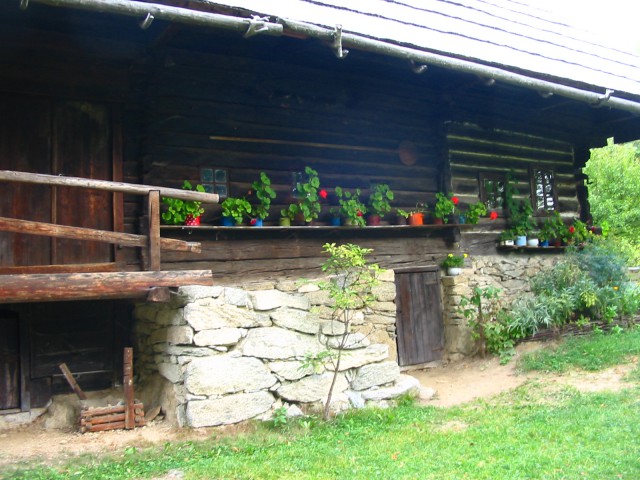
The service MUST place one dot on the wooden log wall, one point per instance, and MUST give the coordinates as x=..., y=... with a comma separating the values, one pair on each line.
x=473, y=150
x=249, y=115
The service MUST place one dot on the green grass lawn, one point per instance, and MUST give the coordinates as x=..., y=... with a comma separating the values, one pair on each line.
x=538, y=431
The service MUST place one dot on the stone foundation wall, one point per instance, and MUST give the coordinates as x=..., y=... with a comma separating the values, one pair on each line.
x=230, y=354
x=510, y=273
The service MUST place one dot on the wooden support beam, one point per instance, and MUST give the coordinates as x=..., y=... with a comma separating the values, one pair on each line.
x=94, y=286
x=72, y=381
x=79, y=233
x=127, y=385
x=154, y=231
x=129, y=188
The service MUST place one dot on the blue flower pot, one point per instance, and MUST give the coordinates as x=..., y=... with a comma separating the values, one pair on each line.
x=256, y=222
x=335, y=221
x=228, y=222
x=521, y=241
x=544, y=243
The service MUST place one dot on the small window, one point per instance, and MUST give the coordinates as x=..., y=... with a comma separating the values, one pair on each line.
x=492, y=186
x=543, y=188
x=215, y=180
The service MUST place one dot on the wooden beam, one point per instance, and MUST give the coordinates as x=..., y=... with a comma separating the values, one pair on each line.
x=130, y=188
x=80, y=233
x=154, y=231
x=94, y=286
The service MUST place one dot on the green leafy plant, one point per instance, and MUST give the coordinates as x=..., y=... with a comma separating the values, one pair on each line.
x=453, y=261
x=178, y=210
x=308, y=197
x=474, y=212
x=444, y=206
x=553, y=227
x=520, y=211
x=402, y=213
x=264, y=194
x=350, y=288
x=236, y=208
x=379, y=200
x=280, y=417
x=351, y=208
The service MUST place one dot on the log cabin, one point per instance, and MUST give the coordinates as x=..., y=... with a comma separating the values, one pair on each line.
x=109, y=105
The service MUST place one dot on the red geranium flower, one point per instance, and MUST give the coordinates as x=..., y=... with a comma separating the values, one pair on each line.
x=323, y=193
x=455, y=200
x=359, y=213
x=253, y=221
x=572, y=229
x=493, y=215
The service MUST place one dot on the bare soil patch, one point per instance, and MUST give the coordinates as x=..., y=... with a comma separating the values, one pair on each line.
x=455, y=383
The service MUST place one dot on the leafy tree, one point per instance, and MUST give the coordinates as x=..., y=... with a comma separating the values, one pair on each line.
x=614, y=193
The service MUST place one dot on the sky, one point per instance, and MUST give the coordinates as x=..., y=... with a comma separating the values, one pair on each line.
x=615, y=21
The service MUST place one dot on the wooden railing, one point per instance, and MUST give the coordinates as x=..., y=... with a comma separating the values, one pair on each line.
x=101, y=285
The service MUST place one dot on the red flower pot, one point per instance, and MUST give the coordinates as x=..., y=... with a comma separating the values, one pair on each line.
x=416, y=219
x=192, y=221
x=373, y=220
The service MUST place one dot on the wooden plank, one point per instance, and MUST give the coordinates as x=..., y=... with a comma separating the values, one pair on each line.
x=72, y=381
x=50, y=269
x=81, y=233
x=97, y=411
x=133, y=189
x=127, y=383
x=154, y=230
x=94, y=286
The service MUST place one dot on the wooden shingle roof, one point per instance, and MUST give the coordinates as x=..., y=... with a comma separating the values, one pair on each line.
x=506, y=34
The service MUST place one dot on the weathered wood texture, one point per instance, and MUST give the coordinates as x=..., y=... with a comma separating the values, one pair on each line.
x=9, y=361
x=419, y=322
x=473, y=150
x=92, y=286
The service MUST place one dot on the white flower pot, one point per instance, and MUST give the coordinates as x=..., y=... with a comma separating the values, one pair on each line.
x=454, y=271
x=532, y=242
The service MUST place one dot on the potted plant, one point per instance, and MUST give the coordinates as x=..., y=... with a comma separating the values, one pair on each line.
x=183, y=212
x=554, y=229
x=454, y=263
x=234, y=210
x=378, y=204
x=401, y=216
x=264, y=194
x=507, y=238
x=307, y=191
x=416, y=215
x=444, y=207
x=351, y=208
x=474, y=212
x=580, y=232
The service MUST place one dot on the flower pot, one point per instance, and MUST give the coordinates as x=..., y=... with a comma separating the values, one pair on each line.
x=400, y=220
x=544, y=243
x=521, y=240
x=284, y=222
x=532, y=242
x=508, y=243
x=335, y=221
x=438, y=221
x=256, y=222
x=416, y=219
x=454, y=271
x=228, y=222
x=462, y=219
x=192, y=221
x=373, y=220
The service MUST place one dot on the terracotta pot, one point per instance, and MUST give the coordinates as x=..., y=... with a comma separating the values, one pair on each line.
x=416, y=219
x=373, y=220
x=438, y=221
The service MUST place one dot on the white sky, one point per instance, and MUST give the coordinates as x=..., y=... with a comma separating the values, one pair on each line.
x=615, y=21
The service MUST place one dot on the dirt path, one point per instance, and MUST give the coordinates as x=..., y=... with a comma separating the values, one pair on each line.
x=455, y=384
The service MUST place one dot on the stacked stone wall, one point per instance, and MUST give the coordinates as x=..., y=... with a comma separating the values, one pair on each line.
x=509, y=273
x=230, y=354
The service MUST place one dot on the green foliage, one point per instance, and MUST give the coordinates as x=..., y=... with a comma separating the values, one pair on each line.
x=351, y=208
x=586, y=285
x=308, y=200
x=402, y=213
x=444, y=207
x=488, y=322
x=379, y=199
x=590, y=353
x=553, y=227
x=236, y=208
x=452, y=260
x=178, y=210
x=280, y=417
x=350, y=287
x=264, y=193
x=475, y=211
x=614, y=192
x=519, y=211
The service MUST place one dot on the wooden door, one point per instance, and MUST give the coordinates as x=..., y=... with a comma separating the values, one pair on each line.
x=9, y=362
x=419, y=319
x=72, y=138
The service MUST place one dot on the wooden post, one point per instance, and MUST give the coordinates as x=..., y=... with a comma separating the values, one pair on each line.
x=154, y=231
x=127, y=382
x=72, y=381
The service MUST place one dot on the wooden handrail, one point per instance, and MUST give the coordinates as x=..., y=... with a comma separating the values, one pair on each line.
x=130, y=188
x=151, y=242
